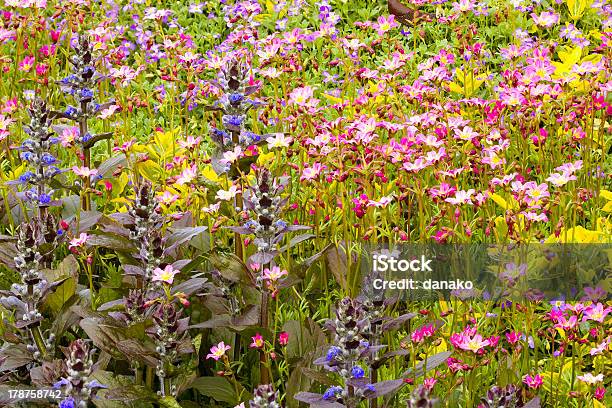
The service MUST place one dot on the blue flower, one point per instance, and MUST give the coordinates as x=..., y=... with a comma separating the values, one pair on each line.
x=86, y=137
x=86, y=93
x=331, y=392
x=232, y=120
x=27, y=156
x=61, y=382
x=70, y=111
x=26, y=176
x=250, y=224
x=280, y=224
x=68, y=79
x=44, y=198
x=95, y=384
x=357, y=372
x=236, y=98
x=332, y=353
x=48, y=158
x=67, y=403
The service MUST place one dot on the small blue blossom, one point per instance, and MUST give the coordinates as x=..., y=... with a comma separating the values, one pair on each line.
x=236, y=98
x=332, y=353
x=26, y=176
x=27, y=156
x=331, y=392
x=250, y=224
x=67, y=403
x=44, y=198
x=280, y=225
x=232, y=120
x=70, y=111
x=61, y=382
x=86, y=93
x=357, y=372
x=48, y=158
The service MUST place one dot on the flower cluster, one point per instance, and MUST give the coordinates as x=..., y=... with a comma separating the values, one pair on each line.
x=36, y=243
x=266, y=204
x=508, y=396
x=236, y=141
x=265, y=397
x=77, y=385
x=36, y=151
x=351, y=329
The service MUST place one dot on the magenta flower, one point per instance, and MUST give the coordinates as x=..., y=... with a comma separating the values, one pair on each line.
x=534, y=382
x=469, y=340
x=566, y=324
x=218, y=351
x=513, y=337
x=258, y=341
x=26, y=63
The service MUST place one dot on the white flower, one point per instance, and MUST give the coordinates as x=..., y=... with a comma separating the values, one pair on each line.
x=226, y=195
x=279, y=140
x=590, y=378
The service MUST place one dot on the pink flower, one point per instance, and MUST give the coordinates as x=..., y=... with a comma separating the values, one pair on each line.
x=187, y=176
x=599, y=394
x=125, y=146
x=461, y=197
x=513, y=337
x=283, y=338
x=190, y=142
x=422, y=333
x=456, y=365
x=597, y=313
x=312, y=172
x=108, y=112
x=258, y=341
x=27, y=63
x=301, y=96
x=218, y=351
x=565, y=324
x=429, y=383
x=545, y=19
x=534, y=382
x=274, y=274
x=84, y=171
x=167, y=198
x=469, y=340
x=385, y=24
x=165, y=275
x=279, y=140
x=78, y=242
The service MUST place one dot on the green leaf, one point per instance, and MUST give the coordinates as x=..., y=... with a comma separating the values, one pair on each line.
x=169, y=402
x=217, y=388
x=56, y=300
